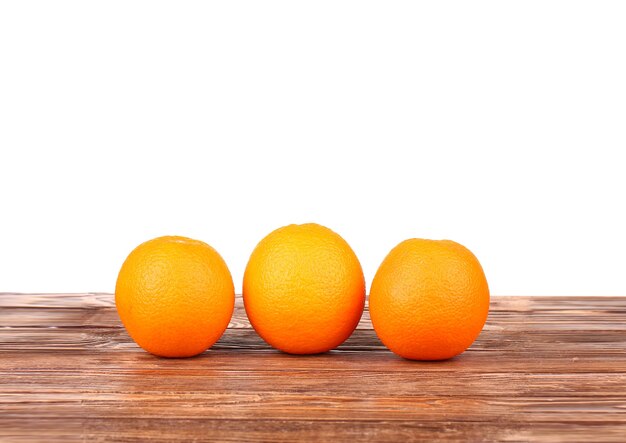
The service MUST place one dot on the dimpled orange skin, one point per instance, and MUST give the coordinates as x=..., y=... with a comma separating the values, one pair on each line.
x=304, y=289
x=175, y=296
x=429, y=299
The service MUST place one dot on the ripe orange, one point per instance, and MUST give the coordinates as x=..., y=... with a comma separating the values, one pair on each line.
x=429, y=299
x=303, y=289
x=175, y=296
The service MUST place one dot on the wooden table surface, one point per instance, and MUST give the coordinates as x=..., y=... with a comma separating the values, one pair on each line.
x=544, y=368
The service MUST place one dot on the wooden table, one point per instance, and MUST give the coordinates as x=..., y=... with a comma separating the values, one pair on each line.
x=544, y=368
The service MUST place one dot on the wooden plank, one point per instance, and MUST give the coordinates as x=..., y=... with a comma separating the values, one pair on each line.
x=544, y=368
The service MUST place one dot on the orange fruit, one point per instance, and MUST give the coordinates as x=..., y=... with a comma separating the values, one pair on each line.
x=175, y=296
x=429, y=299
x=303, y=289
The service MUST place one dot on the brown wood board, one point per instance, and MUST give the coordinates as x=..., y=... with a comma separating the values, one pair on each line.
x=543, y=369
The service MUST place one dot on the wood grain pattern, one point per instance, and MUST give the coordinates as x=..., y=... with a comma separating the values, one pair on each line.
x=543, y=369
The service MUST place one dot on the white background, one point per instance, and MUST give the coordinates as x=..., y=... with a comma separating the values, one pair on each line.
x=500, y=125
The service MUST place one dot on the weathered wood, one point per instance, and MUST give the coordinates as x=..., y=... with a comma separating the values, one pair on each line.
x=544, y=368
